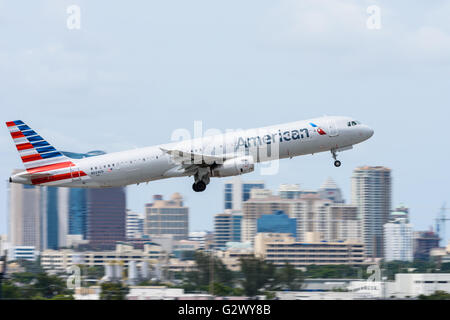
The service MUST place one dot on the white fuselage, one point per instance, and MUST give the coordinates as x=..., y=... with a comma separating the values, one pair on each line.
x=153, y=163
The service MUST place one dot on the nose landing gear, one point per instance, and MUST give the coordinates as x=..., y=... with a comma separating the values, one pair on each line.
x=337, y=163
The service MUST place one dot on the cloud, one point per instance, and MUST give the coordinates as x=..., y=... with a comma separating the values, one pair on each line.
x=338, y=28
x=318, y=23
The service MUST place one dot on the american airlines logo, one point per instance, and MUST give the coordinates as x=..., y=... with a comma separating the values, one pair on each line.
x=273, y=138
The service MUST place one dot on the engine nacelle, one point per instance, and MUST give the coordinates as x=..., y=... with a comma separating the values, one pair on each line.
x=234, y=167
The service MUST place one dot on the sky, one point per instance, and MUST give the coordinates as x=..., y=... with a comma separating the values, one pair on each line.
x=134, y=73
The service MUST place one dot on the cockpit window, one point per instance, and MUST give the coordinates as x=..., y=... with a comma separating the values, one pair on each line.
x=353, y=123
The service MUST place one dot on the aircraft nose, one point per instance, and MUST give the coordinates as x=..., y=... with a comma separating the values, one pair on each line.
x=367, y=132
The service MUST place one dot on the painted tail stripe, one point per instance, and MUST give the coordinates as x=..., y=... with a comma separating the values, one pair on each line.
x=40, y=144
x=29, y=133
x=31, y=157
x=59, y=177
x=50, y=167
x=17, y=134
x=27, y=152
x=18, y=122
x=50, y=155
x=45, y=149
x=10, y=124
x=24, y=127
x=35, y=138
x=24, y=146
x=43, y=162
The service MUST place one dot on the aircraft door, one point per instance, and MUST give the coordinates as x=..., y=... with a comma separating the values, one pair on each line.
x=332, y=128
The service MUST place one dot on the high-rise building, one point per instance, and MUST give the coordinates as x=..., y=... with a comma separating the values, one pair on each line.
x=333, y=221
x=167, y=217
x=199, y=237
x=26, y=222
x=4, y=244
x=278, y=222
x=227, y=228
x=371, y=193
x=260, y=203
x=77, y=217
x=329, y=190
x=55, y=215
x=398, y=237
x=77, y=200
x=289, y=191
x=135, y=225
x=424, y=241
x=106, y=217
x=237, y=192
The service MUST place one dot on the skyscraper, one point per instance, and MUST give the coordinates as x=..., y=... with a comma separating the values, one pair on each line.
x=371, y=193
x=135, y=225
x=424, y=241
x=237, y=192
x=227, y=228
x=330, y=190
x=398, y=235
x=26, y=223
x=55, y=214
x=77, y=204
x=106, y=221
x=167, y=217
x=332, y=221
x=77, y=200
x=289, y=191
x=278, y=222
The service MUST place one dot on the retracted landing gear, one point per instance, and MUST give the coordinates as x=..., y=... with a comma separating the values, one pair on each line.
x=337, y=163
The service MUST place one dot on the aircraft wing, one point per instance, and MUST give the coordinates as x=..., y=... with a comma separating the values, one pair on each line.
x=192, y=158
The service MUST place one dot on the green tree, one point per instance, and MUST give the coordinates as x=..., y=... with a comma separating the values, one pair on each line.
x=445, y=267
x=220, y=289
x=113, y=291
x=10, y=291
x=287, y=277
x=95, y=272
x=331, y=271
x=49, y=286
x=437, y=295
x=257, y=274
x=199, y=279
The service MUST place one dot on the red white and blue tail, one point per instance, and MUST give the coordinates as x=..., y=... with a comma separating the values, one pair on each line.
x=43, y=162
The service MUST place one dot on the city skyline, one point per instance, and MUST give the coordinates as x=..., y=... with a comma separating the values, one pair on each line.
x=268, y=64
x=241, y=180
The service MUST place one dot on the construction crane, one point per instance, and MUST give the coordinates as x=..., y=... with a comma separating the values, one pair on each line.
x=440, y=222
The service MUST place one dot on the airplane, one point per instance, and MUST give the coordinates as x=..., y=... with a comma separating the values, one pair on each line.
x=222, y=155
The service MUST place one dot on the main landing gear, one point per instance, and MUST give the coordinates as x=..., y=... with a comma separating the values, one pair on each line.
x=201, y=179
x=337, y=163
x=199, y=186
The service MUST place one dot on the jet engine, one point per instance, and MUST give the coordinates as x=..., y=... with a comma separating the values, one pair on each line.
x=234, y=167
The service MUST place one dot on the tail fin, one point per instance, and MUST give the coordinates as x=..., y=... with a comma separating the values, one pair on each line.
x=34, y=150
